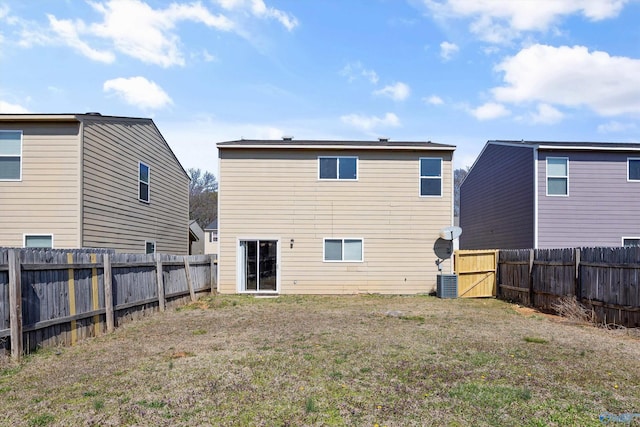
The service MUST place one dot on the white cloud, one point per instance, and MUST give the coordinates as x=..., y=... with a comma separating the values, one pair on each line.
x=433, y=100
x=546, y=114
x=370, y=122
x=498, y=21
x=571, y=77
x=8, y=108
x=139, y=92
x=137, y=30
x=614, y=127
x=447, y=50
x=259, y=9
x=489, y=111
x=355, y=70
x=67, y=32
x=397, y=91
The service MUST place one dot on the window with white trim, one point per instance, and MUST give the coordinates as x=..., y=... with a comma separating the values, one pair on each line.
x=338, y=168
x=630, y=241
x=38, y=241
x=557, y=176
x=633, y=169
x=143, y=182
x=149, y=247
x=342, y=250
x=431, y=176
x=10, y=155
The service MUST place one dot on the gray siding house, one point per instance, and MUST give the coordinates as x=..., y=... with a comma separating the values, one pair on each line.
x=534, y=194
x=92, y=181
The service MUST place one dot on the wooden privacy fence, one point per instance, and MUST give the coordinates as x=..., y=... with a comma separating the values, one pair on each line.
x=476, y=272
x=57, y=297
x=606, y=280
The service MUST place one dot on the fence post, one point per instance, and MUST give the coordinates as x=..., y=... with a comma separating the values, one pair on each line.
x=187, y=272
x=213, y=274
x=95, y=299
x=531, y=292
x=160, y=283
x=15, y=304
x=72, y=299
x=577, y=289
x=108, y=293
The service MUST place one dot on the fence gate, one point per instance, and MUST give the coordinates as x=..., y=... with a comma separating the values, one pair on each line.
x=476, y=270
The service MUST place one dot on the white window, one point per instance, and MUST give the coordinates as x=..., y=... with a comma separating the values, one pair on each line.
x=342, y=250
x=431, y=177
x=631, y=241
x=633, y=169
x=38, y=241
x=10, y=155
x=557, y=176
x=338, y=168
x=143, y=182
x=149, y=247
x=213, y=236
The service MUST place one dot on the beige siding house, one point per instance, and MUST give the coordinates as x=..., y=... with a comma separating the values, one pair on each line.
x=332, y=217
x=86, y=180
x=211, y=238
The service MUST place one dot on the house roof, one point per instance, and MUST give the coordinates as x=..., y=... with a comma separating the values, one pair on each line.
x=381, y=144
x=71, y=117
x=571, y=145
x=212, y=226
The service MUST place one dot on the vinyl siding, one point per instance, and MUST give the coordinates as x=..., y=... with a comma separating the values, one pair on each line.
x=113, y=215
x=497, y=200
x=47, y=200
x=602, y=207
x=276, y=194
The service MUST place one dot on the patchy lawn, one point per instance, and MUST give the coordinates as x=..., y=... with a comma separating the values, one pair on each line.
x=356, y=360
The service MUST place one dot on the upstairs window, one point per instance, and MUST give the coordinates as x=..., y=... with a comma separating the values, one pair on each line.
x=557, y=176
x=431, y=177
x=633, y=169
x=338, y=168
x=143, y=182
x=10, y=155
x=149, y=247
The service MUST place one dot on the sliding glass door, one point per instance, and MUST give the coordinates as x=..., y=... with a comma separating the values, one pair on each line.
x=258, y=265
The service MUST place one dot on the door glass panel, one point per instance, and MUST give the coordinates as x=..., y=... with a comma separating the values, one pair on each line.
x=251, y=265
x=268, y=265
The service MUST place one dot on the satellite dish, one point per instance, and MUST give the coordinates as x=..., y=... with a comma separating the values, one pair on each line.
x=443, y=249
x=450, y=233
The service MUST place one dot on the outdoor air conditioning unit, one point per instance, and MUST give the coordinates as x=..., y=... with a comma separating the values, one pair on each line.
x=447, y=286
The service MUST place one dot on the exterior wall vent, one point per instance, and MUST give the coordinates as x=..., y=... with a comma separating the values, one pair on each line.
x=447, y=286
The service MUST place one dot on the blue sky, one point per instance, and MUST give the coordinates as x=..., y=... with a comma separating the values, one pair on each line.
x=457, y=72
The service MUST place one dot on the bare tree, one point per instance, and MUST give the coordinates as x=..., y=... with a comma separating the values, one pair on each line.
x=203, y=197
x=458, y=176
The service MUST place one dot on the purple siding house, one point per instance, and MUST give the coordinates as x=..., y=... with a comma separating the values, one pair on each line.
x=534, y=194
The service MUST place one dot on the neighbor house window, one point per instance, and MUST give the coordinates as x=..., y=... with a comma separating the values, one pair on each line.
x=430, y=176
x=38, y=241
x=557, y=176
x=213, y=236
x=340, y=168
x=342, y=250
x=633, y=169
x=10, y=155
x=630, y=241
x=143, y=182
x=149, y=247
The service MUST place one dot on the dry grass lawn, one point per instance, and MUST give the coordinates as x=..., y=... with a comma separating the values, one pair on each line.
x=357, y=361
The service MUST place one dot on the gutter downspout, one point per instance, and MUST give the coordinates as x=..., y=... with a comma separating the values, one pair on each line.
x=535, y=197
